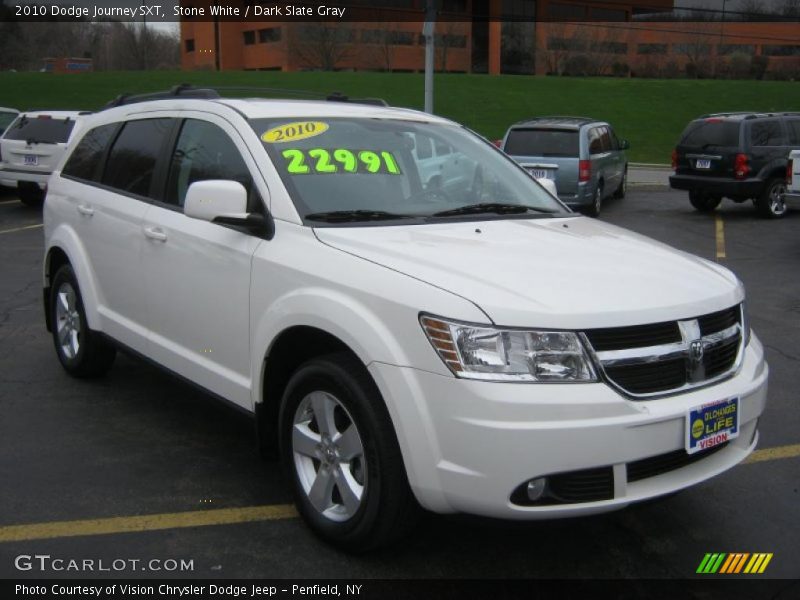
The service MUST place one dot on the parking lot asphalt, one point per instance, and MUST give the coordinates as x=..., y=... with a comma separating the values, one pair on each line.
x=139, y=442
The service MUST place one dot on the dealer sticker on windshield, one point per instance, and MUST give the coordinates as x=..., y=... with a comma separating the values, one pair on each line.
x=293, y=132
x=711, y=425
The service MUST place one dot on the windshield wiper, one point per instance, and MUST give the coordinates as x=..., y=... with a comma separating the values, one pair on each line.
x=344, y=216
x=490, y=207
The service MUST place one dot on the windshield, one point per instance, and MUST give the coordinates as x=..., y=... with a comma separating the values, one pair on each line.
x=41, y=129
x=348, y=170
x=542, y=142
x=711, y=132
x=6, y=118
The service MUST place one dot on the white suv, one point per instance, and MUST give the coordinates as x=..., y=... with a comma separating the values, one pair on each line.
x=480, y=350
x=30, y=149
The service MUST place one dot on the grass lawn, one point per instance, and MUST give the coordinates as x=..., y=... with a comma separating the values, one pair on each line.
x=649, y=113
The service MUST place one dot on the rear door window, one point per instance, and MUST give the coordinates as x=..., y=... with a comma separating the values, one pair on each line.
x=704, y=133
x=542, y=142
x=41, y=129
x=86, y=160
x=767, y=133
x=132, y=160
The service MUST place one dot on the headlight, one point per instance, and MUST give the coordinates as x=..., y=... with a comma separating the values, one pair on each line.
x=491, y=354
x=746, y=331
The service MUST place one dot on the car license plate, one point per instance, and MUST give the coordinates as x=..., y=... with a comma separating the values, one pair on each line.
x=31, y=160
x=711, y=425
x=540, y=173
x=703, y=163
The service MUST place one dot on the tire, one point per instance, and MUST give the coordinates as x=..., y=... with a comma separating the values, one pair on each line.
x=82, y=352
x=623, y=186
x=771, y=203
x=593, y=210
x=365, y=501
x=30, y=195
x=704, y=202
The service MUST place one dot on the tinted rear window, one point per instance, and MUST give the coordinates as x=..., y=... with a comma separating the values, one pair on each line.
x=88, y=154
x=542, y=142
x=41, y=129
x=711, y=132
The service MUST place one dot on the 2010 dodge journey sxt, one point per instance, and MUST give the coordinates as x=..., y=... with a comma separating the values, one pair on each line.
x=467, y=344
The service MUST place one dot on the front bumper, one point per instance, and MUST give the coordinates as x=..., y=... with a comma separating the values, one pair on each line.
x=468, y=445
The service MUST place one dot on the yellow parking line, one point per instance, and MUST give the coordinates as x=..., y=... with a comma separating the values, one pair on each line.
x=220, y=516
x=776, y=453
x=21, y=228
x=197, y=518
x=720, y=237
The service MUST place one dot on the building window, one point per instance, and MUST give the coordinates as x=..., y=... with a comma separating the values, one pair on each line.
x=249, y=37
x=558, y=43
x=780, y=50
x=728, y=49
x=651, y=49
x=610, y=47
x=692, y=49
x=189, y=45
x=271, y=34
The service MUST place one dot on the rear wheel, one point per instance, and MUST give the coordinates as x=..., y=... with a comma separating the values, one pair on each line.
x=703, y=201
x=593, y=209
x=340, y=451
x=623, y=186
x=30, y=194
x=772, y=202
x=82, y=352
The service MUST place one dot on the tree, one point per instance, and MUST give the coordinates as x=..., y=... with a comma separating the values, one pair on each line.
x=324, y=47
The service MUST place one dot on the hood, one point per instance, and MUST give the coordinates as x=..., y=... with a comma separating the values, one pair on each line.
x=567, y=273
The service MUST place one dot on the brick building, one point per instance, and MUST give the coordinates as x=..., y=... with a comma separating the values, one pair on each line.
x=495, y=36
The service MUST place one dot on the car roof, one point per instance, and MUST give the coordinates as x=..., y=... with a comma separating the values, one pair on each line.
x=260, y=108
x=746, y=115
x=11, y=110
x=560, y=122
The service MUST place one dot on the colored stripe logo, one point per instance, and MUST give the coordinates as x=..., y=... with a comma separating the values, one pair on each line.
x=734, y=563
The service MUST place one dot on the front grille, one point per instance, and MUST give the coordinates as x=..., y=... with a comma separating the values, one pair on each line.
x=649, y=378
x=675, y=355
x=664, y=463
x=574, y=487
x=638, y=336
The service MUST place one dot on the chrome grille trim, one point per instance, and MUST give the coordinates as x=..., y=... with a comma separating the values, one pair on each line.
x=691, y=349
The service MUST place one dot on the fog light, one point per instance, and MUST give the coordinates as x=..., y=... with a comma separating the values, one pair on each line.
x=536, y=488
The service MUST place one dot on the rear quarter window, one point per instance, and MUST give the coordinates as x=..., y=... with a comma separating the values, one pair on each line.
x=711, y=132
x=542, y=142
x=40, y=129
x=766, y=133
x=85, y=161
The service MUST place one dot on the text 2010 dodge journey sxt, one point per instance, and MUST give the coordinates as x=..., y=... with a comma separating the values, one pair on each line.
x=468, y=345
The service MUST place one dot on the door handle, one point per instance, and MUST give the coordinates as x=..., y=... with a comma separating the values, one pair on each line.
x=85, y=210
x=155, y=233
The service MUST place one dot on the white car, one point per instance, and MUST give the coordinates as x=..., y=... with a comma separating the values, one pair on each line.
x=31, y=147
x=489, y=352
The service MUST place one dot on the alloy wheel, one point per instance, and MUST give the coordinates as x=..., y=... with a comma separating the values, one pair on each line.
x=68, y=321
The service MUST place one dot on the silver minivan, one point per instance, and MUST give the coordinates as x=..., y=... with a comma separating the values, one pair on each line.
x=583, y=156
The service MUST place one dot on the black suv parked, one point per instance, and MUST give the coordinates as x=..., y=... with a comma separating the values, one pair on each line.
x=741, y=156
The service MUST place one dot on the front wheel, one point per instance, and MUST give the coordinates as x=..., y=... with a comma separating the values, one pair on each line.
x=772, y=202
x=82, y=352
x=340, y=451
x=30, y=194
x=703, y=202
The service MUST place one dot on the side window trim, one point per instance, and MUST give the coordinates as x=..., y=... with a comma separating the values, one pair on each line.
x=100, y=171
x=158, y=190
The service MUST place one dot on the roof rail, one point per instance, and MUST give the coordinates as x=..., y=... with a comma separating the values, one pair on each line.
x=186, y=90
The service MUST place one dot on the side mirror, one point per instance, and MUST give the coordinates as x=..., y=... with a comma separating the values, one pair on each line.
x=208, y=200
x=624, y=144
x=225, y=202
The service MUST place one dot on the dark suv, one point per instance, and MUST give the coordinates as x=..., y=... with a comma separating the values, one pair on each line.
x=741, y=156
